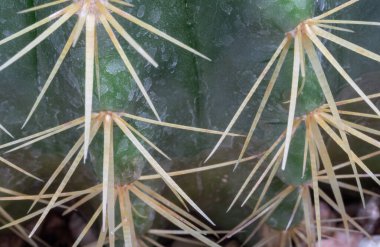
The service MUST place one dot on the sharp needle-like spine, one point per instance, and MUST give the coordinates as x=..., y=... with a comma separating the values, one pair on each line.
x=128, y=65
x=6, y=131
x=264, y=101
x=70, y=12
x=249, y=96
x=76, y=30
x=293, y=100
x=89, y=77
x=154, y=30
x=310, y=50
x=42, y=6
x=34, y=26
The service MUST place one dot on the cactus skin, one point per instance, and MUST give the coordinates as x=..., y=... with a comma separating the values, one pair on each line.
x=286, y=14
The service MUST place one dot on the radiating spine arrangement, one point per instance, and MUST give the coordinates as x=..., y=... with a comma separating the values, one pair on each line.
x=298, y=160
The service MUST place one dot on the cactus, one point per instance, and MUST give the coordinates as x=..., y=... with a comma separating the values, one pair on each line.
x=126, y=151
